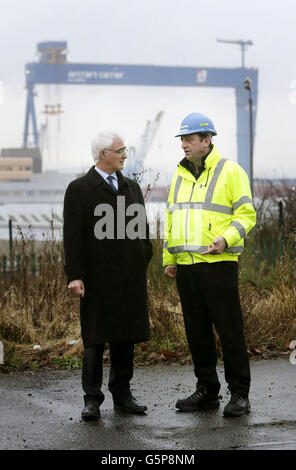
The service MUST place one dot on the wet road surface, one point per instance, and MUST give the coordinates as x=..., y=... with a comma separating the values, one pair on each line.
x=42, y=411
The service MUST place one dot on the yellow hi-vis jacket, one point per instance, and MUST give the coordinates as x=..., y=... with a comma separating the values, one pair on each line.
x=218, y=203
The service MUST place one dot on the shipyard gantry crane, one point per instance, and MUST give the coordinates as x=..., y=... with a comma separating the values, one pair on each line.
x=53, y=68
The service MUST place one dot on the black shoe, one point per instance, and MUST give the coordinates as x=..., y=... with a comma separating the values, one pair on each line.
x=237, y=406
x=91, y=411
x=199, y=400
x=128, y=404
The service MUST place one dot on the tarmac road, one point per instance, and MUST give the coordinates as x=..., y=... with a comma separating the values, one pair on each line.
x=41, y=410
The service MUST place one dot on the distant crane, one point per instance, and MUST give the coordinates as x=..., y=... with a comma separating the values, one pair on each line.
x=241, y=43
x=135, y=162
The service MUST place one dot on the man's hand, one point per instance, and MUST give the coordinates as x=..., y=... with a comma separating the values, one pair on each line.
x=76, y=287
x=170, y=271
x=217, y=247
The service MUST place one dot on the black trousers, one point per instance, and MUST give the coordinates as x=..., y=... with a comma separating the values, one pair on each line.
x=209, y=296
x=121, y=370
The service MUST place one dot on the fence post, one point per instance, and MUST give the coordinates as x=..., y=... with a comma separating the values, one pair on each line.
x=273, y=244
x=18, y=262
x=281, y=228
x=39, y=261
x=4, y=265
x=10, y=237
x=266, y=251
x=33, y=264
x=1, y=353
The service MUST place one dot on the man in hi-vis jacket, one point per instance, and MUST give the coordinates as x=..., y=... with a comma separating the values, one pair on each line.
x=209, y=212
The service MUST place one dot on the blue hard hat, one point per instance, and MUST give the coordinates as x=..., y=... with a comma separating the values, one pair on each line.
x=196, y=122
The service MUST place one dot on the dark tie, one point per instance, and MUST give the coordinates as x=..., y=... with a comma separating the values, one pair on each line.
x=110, y=179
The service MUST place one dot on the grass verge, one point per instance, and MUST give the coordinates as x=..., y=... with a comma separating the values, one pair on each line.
x=39, y=319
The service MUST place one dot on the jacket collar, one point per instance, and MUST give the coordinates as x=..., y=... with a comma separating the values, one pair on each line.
x=95, y=179
x=212, y=157
x=208, y=160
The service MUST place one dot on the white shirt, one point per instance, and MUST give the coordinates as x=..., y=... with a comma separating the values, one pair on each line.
x=105, y=176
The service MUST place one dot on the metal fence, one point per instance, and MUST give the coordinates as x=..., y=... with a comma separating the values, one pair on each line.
x=269, y=250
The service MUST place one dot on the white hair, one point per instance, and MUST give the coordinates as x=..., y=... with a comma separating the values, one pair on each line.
x=103, y=140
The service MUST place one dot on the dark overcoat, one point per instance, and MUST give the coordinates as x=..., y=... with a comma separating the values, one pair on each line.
x=114, y=307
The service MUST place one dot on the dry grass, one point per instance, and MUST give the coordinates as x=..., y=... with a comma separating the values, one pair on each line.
x=36, y=308
x=270, y=317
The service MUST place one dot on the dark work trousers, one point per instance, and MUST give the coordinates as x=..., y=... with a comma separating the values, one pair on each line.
x=121, y=370
x=209, y=296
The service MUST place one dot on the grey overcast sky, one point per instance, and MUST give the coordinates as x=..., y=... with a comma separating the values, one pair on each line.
x=158, y=32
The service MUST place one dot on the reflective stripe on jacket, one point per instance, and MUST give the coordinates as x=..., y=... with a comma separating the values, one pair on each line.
x=218, y=203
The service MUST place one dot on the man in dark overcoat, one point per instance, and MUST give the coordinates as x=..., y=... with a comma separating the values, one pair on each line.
x=107, y=251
